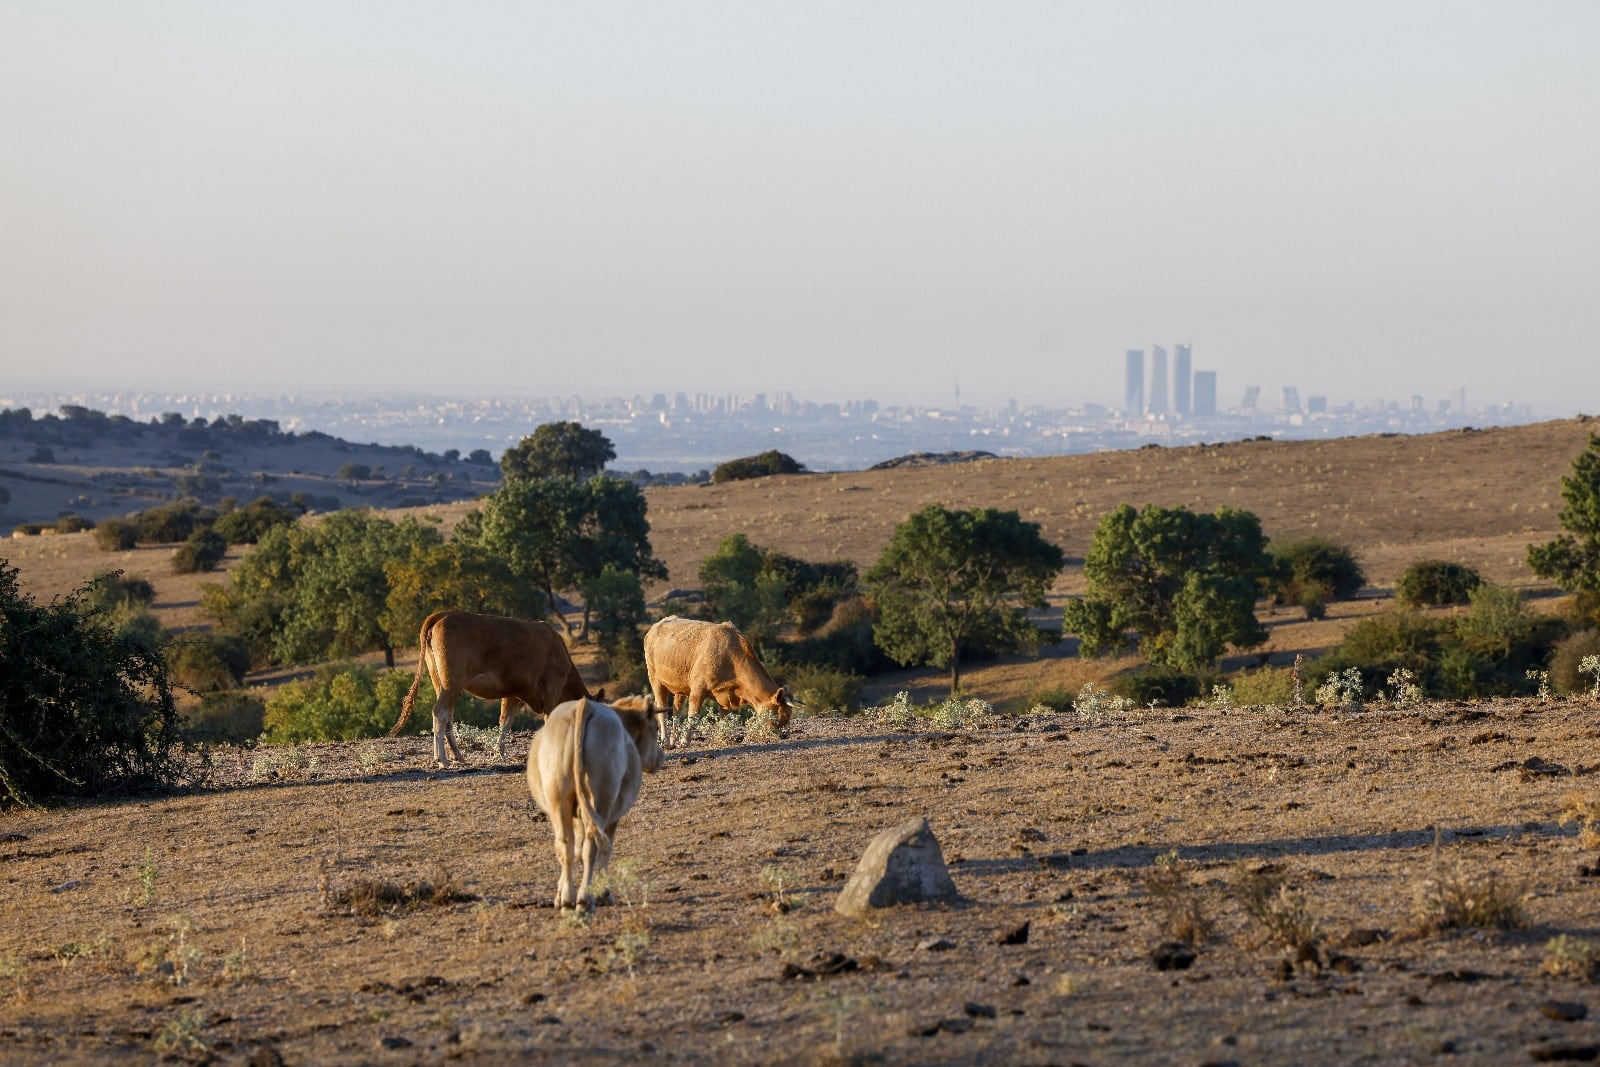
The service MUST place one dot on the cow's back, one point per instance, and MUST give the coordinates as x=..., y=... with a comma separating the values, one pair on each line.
x=680, y=652
x=527, y=658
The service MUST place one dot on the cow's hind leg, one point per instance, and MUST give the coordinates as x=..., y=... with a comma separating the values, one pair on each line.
x=508, y=706
x=561, y=824
x=444, y=723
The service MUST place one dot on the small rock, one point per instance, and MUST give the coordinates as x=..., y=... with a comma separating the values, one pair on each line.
x=394, y=1041
x=955, y=1026
x=728, y=1018
x=831, y=963
x=533, y=998
x=936, y=944
x=1017, y=935
x=978, y=1011
x=1021, y=980
x=266, y=1056
x=1566, y=1011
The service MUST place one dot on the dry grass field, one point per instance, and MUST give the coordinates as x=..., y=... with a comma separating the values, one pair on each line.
x=1380, y=886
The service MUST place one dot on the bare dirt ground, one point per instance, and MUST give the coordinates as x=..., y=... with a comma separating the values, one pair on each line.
x=226, y=926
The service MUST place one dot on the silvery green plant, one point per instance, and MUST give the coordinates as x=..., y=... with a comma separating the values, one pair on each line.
x=1342, y=690
x=1406, y=693
x=1591, y=665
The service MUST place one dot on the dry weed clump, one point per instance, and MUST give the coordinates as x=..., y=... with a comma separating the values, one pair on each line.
x=1454, y=898
x=1179, y=902
x=371, y=897
x=1585, y=811
x=1282, y=913
x=1571, y=957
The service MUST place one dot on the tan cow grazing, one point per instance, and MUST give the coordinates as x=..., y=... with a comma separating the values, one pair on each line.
x=645, y=703
x=493, y=658
x=688, y=660
x=584, y=770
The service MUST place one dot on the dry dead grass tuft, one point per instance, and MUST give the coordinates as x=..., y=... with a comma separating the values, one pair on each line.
x=1281, y=911
x=371, y=897
x=1454, y=897
x=1179, y=902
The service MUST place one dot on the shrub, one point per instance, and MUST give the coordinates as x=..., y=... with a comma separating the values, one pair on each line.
x=1375, y=647
x=161, y=526
x=345, y=702
x=824, y=688
x=116, y=535
x=1313, y=571
x=1054, y=697
x=29, y=529
x=110, y=590
x=767, y=463
x=845, y=643
x=73, y=524
x=204, y=549
x=81, y=711
x=205, y=663
x=1436, y=582
x=244, y=526
x=1167, y=686
x=1567, y=659
x=229, y=717
x=1266, y=687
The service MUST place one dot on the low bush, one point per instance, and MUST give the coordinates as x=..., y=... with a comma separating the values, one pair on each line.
x=1264, y=687
x=173, y=523
x=346, y=702
x=1566, y=661
x=231, y=717
x=767, y=463
x=1313, y=571
x=823, y=689
x=73, y=524
x=1165, y=686
x=244, y=526
x=207, y=663
x=1436, y=582
x=202, y=551
x=82, y=712
x=116, y=535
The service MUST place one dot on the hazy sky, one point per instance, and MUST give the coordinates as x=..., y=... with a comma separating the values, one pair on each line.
x=837, y=199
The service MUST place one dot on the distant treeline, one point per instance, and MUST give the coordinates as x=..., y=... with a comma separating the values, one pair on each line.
x=80, y=425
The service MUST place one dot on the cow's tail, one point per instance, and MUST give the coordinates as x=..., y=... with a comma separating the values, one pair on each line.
x=588, y=811
x=416, y=683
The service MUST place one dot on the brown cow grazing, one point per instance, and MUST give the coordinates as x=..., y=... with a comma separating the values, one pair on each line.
x=493, y=658
x=691, y=660
x=584, y=773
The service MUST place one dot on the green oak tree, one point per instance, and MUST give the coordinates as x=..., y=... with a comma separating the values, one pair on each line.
x=1186, y=582
x=950, y=583
x=1572, y=560
x=558, y=450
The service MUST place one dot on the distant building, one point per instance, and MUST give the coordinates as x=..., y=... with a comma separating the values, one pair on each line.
x=1180, y=379
x=1252, y=397
x=1205, y=394
x=1158, y=380
x=1316, y=405
x=1133, y=397
x=1291, y=399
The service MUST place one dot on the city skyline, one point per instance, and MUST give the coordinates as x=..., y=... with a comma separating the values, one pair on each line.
x=1365, y=199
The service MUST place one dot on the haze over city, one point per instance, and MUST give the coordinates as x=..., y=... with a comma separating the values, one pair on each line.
x=892, y=200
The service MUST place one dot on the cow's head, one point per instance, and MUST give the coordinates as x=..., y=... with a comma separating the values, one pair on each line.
x=780, y=706
x=641, y=726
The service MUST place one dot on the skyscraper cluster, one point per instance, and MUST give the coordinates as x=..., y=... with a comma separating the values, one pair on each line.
x=1193, y=393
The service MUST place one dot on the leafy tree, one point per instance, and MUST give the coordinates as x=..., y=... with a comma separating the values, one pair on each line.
x=318, y=590
x=432, y=576
x=616, y=599
x=81, y=711
x=767, y=463
x=1185, y=582
x=1572, y=560
x=559, y=450
x=760, y=589
x=953, y=582
x=559, y=534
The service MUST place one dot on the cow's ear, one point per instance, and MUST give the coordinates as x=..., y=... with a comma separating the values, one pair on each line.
x=778, y=698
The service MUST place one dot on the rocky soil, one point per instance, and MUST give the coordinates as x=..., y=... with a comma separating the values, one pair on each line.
x=342, y=904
